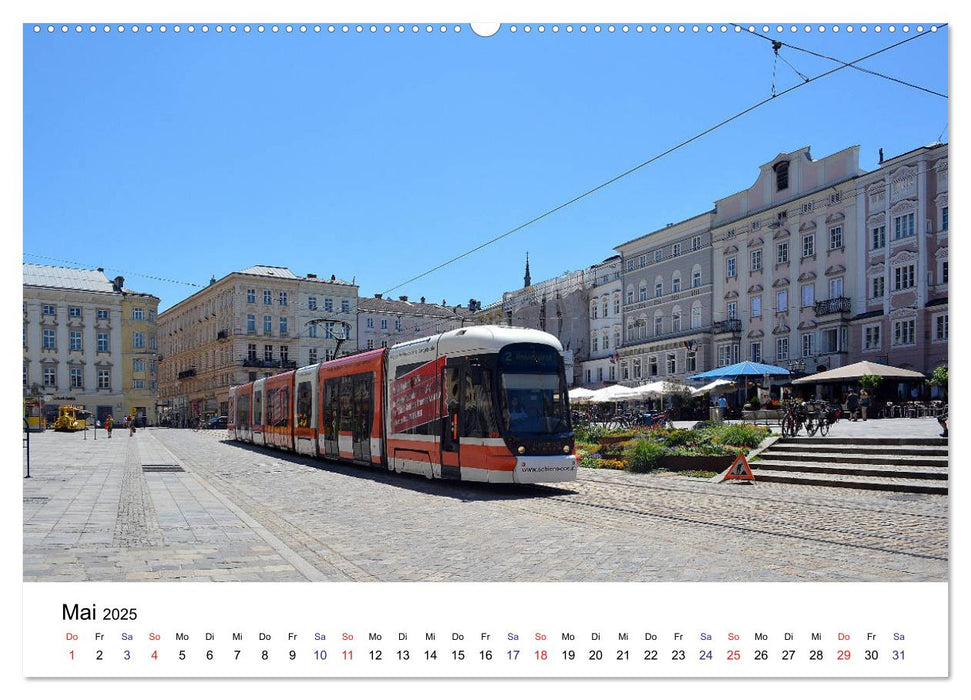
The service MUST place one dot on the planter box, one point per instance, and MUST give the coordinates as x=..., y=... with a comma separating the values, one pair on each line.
x=701, y=464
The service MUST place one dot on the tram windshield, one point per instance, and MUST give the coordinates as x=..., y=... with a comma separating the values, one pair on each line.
x=533, y=393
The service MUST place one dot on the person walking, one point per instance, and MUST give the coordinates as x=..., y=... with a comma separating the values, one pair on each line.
x=864, y=402
x=852, y=404
x=131, y=427
x=109, y=424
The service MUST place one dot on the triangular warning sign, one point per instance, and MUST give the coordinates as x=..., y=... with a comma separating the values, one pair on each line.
x=739, y=470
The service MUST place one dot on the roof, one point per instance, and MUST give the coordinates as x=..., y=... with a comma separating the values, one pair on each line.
x=409, y=308
x=270, y=271
x=67, y=278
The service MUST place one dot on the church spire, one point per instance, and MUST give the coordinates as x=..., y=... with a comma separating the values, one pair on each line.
x=526, y=279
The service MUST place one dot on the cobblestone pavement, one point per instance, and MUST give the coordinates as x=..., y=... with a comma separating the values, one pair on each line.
x=114, y=510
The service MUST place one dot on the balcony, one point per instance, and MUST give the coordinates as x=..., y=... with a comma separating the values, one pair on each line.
x=222, y=335
x=269, y=364
x=836, y=305
x=732, y=325
x=187, y=373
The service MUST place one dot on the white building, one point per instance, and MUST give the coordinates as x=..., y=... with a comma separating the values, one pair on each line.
x=606, y=322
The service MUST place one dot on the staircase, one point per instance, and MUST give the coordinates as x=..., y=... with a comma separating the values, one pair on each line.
x=909, y=465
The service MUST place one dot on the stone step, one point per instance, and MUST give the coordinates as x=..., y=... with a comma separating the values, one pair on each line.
x=865, y=441
x=852, y=482
x=857, y=457
x=916, y=450
x=881, y=470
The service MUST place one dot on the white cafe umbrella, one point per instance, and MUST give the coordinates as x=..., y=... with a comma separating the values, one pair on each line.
x=857, y=370
x=580, y=394
x=715, y=385
x=615, y=392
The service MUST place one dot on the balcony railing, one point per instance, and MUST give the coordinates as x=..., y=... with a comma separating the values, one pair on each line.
x=836, y=305
x=281, y=364
x=732, y=325
x=187, y=373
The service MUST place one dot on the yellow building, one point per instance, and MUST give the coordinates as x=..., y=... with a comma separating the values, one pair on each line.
x=139, y=355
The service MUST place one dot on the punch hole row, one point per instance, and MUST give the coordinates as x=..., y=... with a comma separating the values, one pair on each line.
x=444, y=29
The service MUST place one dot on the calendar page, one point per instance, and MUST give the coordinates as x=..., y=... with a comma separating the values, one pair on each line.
x=412, y=343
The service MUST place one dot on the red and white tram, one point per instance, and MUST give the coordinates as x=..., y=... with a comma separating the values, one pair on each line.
x=483, y=403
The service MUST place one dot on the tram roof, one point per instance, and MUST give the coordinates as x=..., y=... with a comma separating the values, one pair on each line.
x=464, y=341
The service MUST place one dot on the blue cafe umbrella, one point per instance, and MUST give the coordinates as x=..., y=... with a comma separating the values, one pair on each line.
x=741, y=370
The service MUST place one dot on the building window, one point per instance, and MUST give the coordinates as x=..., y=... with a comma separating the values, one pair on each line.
x=328, y=304
x=903, y=226
x=675, y=250
x=903, y=277
x=808, y=295
x=658, y=256
x=781, y=349
x=606, y=307
x=652, y=366
x=77, y=381
x=616, y=304
x=658, y=289
x=267, y=297
x=593, y=310
x=49, y=310
x=836, y=198
x=730, y=267
x=251, y=323
x=605, y=343
x=370, y=344
x=696, y=279
x=594, y=347
x=636, y=368
x=782, y=252
x=836, y=237
x=370, y=323
x=808, y=245
x=904, y=332
x=384, y=324
x=878, y=237
x=137, y=383
x=311, y=303
x=642, y=294
x=284, y=353
x=675, y=321
x=612, y=373
x=676, y=283
x=878, y=288
x=268, y=353
x=103, y=344
x=75, y=340
x=138, y=314
x=836, y=288
x=329, y=329
x=831, y=340
x=672, y=363
x=267, y=325
x=101, y=314
x=696, y=243
x=696, y=317
x=782, y=301
x=250, y=296
x=312, y=330
x=138, y=340
x=284, y=325
x=658, y=325
x=944, y=219
x=757, y=307
x=50, y=339
x=727, y=354
x=808, y=344
x=755, y=351
x=283, y=299
x=807, y=207
x=104, y=379
x=251, y=352
x=731, y=309
x=624, y=371
x=691, y=362
x=397, y=324
x=313, y=356
x=871, y=337
x=756, y=256
x=940, y=327
x=74, y=311
x=50, y=377
x=781, y=175
x=629, y=265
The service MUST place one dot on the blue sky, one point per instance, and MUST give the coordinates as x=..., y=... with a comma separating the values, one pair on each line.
x=377, y=156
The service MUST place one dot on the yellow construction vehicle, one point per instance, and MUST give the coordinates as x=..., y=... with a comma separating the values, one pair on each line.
x=71, y=418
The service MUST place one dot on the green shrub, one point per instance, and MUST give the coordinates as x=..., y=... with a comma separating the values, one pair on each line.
x=676, y=437
x=590, y=432
x=642, y=455
x=740, y=435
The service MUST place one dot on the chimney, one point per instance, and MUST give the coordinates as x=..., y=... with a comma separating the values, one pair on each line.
x=443, y=303
x=101, y=269
x=311, y=276
x=423, y=300
x=403, y=297
x=378, y=295
x=118, y=282
x=333, y=278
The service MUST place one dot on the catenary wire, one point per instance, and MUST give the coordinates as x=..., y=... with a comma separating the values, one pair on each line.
x=653, y=159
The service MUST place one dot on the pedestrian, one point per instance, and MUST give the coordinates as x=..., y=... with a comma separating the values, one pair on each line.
x=109, y=424
x=942, y=419
x=131, y=427
x=722, y=408
x=864, y=402
x=852, y=404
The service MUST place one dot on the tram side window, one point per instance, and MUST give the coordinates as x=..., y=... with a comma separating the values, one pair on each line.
x=479, y=419
x=303, y=405
x=242, y=412
x=346, y=403
x=362, y=403
x=330, y=409
x=258, y=408
x=279, y=401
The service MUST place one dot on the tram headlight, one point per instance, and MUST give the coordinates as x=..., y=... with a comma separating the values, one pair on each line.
x=522, y=449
